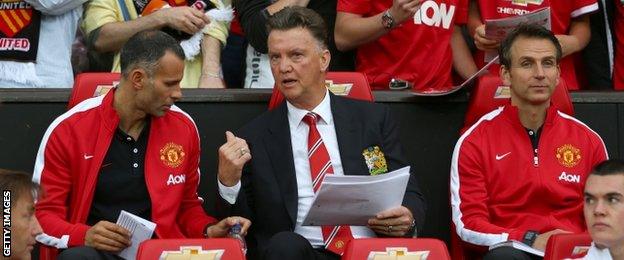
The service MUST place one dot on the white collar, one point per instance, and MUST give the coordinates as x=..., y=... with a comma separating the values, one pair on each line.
x=596, y=253
x=323, y=109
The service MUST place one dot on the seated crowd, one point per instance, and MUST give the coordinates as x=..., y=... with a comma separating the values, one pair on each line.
x=525, y=171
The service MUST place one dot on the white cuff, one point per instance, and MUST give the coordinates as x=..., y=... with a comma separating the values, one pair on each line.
x=229, y=194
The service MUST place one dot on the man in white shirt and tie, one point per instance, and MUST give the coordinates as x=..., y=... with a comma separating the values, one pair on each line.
x=312, y=134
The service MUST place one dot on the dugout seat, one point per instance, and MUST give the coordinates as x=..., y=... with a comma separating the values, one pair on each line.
x=91, y=84
x=562, y=246
x=490, y=93
x=229, y=248
x=360, y=89
x=385, y=248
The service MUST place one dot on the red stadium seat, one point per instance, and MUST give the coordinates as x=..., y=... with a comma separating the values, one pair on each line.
x=563, y=246
x=93, y=84
x=489, y=94
x=363, y=248
x=152, y=249
x=360, y=90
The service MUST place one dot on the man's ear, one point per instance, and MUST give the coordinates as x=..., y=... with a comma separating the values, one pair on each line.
x=325, y=59
x=505, y=75
x=138, y=77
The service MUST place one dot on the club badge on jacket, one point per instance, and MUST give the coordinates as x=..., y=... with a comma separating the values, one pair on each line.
x=375, y=160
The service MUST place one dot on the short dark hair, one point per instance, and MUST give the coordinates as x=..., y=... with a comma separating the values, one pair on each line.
x=144, y=49
x=18, y=183
x=531, y=31
x=299, y=17
x=609, y=167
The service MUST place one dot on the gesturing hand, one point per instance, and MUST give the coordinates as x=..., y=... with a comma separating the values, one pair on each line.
x=107, y=236
x=232, y=157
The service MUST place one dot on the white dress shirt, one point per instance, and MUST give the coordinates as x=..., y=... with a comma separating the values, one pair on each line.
x=299, y=139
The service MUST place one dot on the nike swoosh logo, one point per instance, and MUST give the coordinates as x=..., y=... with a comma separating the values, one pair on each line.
x=500, y=157
x=87, y=157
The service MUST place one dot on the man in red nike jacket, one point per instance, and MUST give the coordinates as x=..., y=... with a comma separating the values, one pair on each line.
x=131, y=150
x=518, y=173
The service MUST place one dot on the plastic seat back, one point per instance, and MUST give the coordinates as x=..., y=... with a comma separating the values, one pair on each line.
x=91, y=84
x=360, y=88
x=490, y=93
x=562, y=246
x=382, y=248
x=227, y=248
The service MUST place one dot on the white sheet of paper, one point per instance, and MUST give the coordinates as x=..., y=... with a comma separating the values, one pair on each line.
x=435, y=93
x=518, y=245
x=141, y=230
x=353, y=199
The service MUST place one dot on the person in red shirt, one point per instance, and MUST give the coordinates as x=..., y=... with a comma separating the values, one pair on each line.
x=131, y=149
x=618, y=71
x=518, y=173
x=569, y=23
x=412, y=40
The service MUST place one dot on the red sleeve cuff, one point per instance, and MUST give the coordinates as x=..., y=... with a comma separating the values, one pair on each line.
x=200, y=226
x=77, y=236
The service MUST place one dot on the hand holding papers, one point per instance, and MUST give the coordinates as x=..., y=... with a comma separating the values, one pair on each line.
x=354, y=199
x=140, y=229
x=497, y=29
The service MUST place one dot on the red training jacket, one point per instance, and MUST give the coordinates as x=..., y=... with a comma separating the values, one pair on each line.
x=69, y=161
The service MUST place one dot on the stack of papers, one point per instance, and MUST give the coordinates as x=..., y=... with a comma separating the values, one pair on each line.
x=353, y=199
x=140, y=230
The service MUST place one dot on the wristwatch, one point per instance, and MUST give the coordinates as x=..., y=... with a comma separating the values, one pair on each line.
x=387, y=20
x=529, y=237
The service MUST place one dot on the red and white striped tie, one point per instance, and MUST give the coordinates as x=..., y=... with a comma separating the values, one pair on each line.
x=335, y=237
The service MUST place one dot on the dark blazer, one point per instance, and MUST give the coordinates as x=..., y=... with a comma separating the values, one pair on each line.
x=268, y=195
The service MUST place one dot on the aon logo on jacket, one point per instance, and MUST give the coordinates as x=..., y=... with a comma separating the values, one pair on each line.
x=176, y=179
x=574, y=178
x=433, y=14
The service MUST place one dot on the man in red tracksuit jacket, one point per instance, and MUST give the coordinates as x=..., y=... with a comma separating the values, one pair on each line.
x=518, y=173
x=132, y=150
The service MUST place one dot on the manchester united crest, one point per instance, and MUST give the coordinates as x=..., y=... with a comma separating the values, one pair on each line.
x=568, y=155
x=172, y=155
x=375, y=160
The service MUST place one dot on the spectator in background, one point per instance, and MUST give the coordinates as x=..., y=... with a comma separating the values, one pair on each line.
x=131, y=150
x=233, y=56
x=108, y=26
x=597, y=61
x=253, y=17
x=518, y=172
x=618, y=71
x=24, y=226
x=413, y=40
x=604, y=210
x=569, y=22
x=49, y=27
